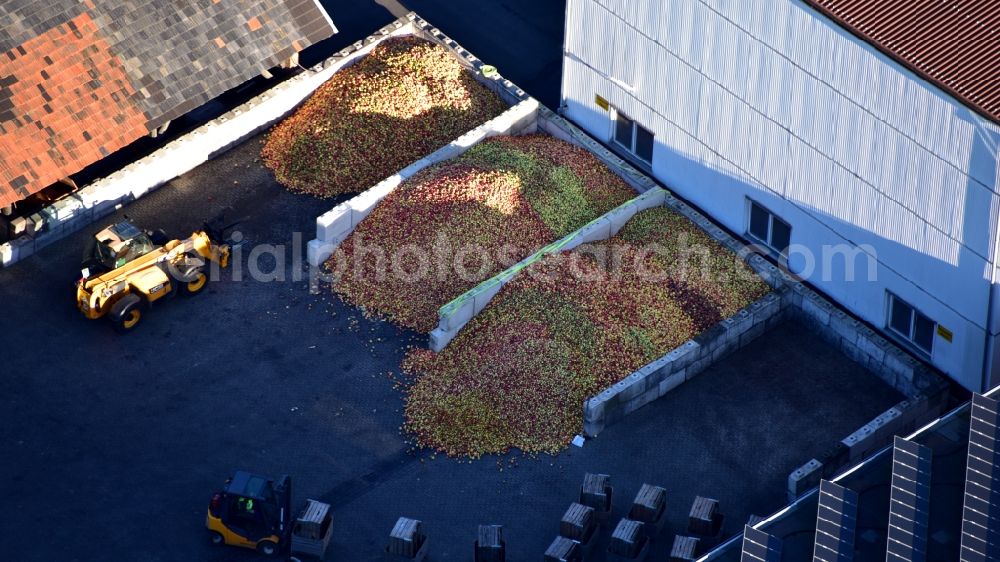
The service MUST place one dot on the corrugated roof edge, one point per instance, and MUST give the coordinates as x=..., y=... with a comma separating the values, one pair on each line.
x=937, y=83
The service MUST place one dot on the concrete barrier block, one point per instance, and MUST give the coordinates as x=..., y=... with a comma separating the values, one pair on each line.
x=696, y=367
x=36, y=223
x=812, y=308
x=501, y=124
x=8, y=254
x=843, y=325
x=318, y=251
x=21, y=248
x=875, y=349
x=64, y=209
x=755, y=331
x=525, y=113
x=335, y=223
x=634, y=386
x=894, y=364
x=471, y=138
x=593, y=409
x=660, y=369
x=804, y=478
x=571, y=241
x=617, y=219
x=860, y=442
x=439, y=338
x=387, y=186
x=593, y=428
x=18, y=226
x=362, y=205
x=104, y=207
x=484, y=297
x=889, y=424
x=596, y=231
x=414, y=168
x=772, y=304
x=742, y=321
x=445, y=153
x=645, y=398
x=685, y=354
x=654, y=197
x=460, y=316
x=651, y=374
x=672, y=381
x=906, y=419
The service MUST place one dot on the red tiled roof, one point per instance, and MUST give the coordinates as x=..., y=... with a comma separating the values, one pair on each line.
x=80, y=79
x=953, y=43
x=76, y=107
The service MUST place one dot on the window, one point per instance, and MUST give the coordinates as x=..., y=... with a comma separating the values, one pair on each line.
x=910, y=324
x=766, y=227
x=634, y=138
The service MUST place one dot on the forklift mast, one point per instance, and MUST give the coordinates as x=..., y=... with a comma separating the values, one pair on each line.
x=283, y=492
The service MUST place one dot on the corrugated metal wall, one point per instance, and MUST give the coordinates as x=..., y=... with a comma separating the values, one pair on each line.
x=766, y=96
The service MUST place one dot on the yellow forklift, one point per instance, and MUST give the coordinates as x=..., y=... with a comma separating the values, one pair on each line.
x=126, y=270
x=254, y=511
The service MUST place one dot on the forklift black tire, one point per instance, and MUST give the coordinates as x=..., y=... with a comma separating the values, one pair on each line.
x=193, y=282
x=127, y=313
x=216, y=538
x=267, y=548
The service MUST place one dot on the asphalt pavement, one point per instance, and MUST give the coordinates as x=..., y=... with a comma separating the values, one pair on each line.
x=112, y=445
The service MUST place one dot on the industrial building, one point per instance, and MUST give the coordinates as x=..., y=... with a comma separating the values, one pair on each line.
x=855, y=142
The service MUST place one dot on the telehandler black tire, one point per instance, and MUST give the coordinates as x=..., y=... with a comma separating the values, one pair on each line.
x=196, y=281
x=127, y=313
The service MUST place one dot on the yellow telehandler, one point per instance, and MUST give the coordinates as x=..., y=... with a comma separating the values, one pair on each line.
x=126, y=269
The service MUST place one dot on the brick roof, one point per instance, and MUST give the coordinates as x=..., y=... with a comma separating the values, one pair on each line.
x=953, y=43
x=80, y=79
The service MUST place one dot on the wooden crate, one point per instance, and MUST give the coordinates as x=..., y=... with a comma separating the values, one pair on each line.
x=685, y=549
x=578, y=523
x=704, y=519
x=650, y=504
x=490, y=546
x=563, y=550
x=312, y=529
x=628, y=542
x=406, y=541
x=596, y=492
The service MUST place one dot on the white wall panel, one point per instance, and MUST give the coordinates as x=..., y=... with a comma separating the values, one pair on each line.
x=651, y=80
x=683, y=31
x=679, y=92
x=643, y=16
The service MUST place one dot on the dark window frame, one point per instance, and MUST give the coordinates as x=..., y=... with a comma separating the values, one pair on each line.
x=914, y=319
x=768, y=238
x=633, y=145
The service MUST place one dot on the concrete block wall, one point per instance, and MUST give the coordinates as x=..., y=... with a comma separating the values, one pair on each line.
x=334, y=226
x=106, y=195
x=682, y=364
x=925, y=389
x=455, y=315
